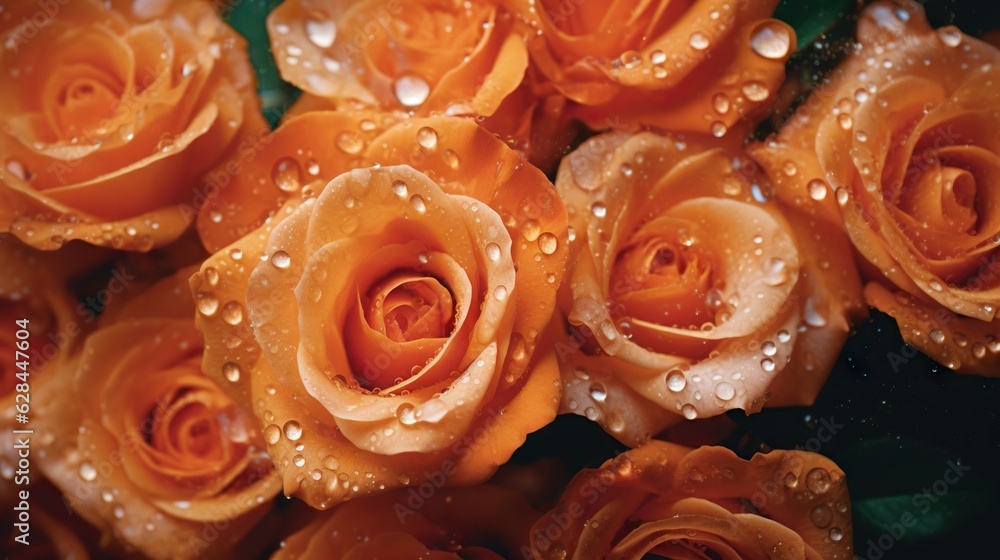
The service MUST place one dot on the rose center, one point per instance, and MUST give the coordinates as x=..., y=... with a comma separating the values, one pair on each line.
x=406, y=308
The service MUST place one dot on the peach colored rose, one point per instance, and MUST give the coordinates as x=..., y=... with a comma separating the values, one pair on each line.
x=483, y=522
x=147, y=448
x=699, y=66
x=389, y=330
x=113, y=113
x=899, y=147
x=676, y=502
x=425, y=57
x=688, y=295
x=29, y=290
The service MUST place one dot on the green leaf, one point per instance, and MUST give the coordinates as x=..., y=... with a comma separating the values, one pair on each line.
x=921, y=489
x=810, y=18
x=249, y=19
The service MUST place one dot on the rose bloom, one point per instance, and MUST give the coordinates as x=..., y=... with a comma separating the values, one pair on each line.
x=143, y=445
x=113, y=112
x=425, y=57
x=386, y=331
x=28, y=291
x=484, y=522
x=899, y=147
x=676, y=502
x=687, y=296
x=697, y=66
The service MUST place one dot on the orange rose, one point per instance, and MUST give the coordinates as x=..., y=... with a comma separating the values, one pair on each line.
x=425, y=57
x=697, y=66
x=675, y=502
x=483, y=522
x=28, y=291
x=167, y=461
x=113, y=113
x=904, y=133
x=687, y=296
x=385, y=331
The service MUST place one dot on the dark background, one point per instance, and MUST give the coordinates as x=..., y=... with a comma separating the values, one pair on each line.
x=900, y=417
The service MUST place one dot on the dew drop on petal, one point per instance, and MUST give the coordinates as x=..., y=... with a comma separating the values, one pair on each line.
x=399, y=188
x=698, y=41
x=418, y=203
x=281, y=259
x=817, y=189
x=87, y=471
x=293, y=431
x=427, y=137
x=286, y=174
x=950, y=36
x=598, y=392
x=821, y=516
x=272, y=434
x=548, y=243
x=725, y=391
x=411, y=91
x=770, y=40
x=231, y=371
x=689, y=412
x=493, y=251
x=350, y=142
x=406, y=414
x=500, y=293
x=755, y=91
x=818, y=481
x=676, y=380
x=322, y=32
x=599, y=210
x=719, y=129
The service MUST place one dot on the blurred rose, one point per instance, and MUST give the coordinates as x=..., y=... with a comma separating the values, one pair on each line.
x=698, y=66
x=385, y=331
x=676, y=502
x=112, y=114
x=483, y=523
x=30, y=291
x=427, y=57
x=902, y=137
x=687, y=296
x=146, y=447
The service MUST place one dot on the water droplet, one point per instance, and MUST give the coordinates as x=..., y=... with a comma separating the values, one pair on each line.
x=784, y=336
x=500, y=293
x=812, y=316
x=599, y=210
x=548, y=243
x=658, y=57
x=321, y=31
x=207, y=306
x=232, y=313
x=87, y=471
x=818, y=481
x=406, y=414
x=979, y=350
x=293, y=431
x=755, y=91
x=312, y=167
x=286, y=174
x=427, y=137
x=272, y=434
x=330, y=462
x=719, y=129
x=231, y=371
x=689, y=412
x=418, y=203
x=775, y=271
x=791, y=481
x=451, y=159
x=768, y=348
x=411, y=91
x=676, y=381
x=350, y=142
x=721, y=103
x=281, y=259
x=298, y=460
x=236, y=254
x=770, y=40
x=817, y=189
x=118, y=512
x=836, y=534
x=598, y=392
x=767, y=364
x=725, y=391
x=493, y=251
x=937, y=336
x=821, y=516
x=950, y=36
x=399, y=188
x=845, y=121
x=698, y=41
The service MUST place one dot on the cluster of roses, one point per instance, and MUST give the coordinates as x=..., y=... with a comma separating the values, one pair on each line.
x=380, y=299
